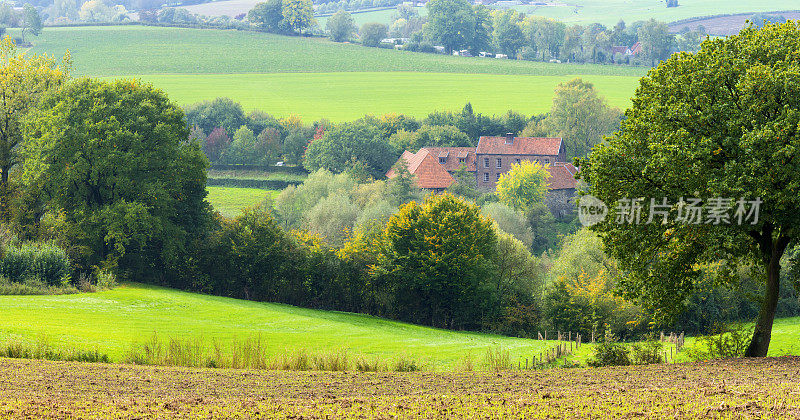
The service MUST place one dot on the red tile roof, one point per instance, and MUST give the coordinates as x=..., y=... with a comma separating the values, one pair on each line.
x=562, y=176
x=425, y=166
x=540, y=146
x=453, y=155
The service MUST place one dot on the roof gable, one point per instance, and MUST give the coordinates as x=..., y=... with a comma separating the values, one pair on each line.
x=537, y=146
x=562, y=176
x=425, y=166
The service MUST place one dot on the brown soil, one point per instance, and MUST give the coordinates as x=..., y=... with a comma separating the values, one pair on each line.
x=767, y=388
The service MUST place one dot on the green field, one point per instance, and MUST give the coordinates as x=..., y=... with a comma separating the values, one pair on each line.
x=111, y=321
x=138, y=50
x=348, y=96
x=314, y=77
x=231, y=201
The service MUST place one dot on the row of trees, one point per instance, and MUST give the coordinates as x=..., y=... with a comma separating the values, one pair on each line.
x=459, y=25
x=228, y=135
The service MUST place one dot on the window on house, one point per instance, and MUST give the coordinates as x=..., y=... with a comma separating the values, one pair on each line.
x=516, y=161
x=497, y=178
x=442, y=160
x=462, y=160
x=499, y=163
x=546, y=161
x=486, y=177
x=485, y=162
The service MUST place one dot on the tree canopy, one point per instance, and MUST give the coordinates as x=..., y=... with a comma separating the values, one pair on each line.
x=722, y=126
x=451, y=23
x=24, y=79
x=435, y=258
x=523, y=186
x=345, y=145
x=579, y=116
x=341, y=26
x=110, y=159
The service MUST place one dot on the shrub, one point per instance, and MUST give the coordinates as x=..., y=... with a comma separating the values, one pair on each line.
x=105, y=279
x=497, y=359
x=647, y=352
x=45, y=262
x=404, y=364
x=723, y=343
x=610, y=352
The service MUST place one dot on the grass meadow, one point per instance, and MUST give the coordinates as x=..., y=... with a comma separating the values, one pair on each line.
x=315, y=78
x=111, y=322
x=137, y=50
x=230, y=201
x=349, y=95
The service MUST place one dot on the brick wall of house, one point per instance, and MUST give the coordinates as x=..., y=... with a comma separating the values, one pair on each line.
x=505, y=164
x=561, y=202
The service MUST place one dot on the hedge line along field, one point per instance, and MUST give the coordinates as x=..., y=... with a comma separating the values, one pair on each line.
x=741, y=388
x=316, y=78
x=347, y=96
x=111, y=322
x=230, y=201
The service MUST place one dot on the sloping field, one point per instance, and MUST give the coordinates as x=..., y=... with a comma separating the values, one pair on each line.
x=138, y=50
x=316, y=78
x=349, y=95
x=723, y=25
x=111, y=321
x=766, y=388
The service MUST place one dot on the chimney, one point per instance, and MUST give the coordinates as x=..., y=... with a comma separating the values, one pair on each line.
x=509, y=138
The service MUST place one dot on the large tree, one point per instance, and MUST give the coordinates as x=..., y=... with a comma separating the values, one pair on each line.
x=507, y=35
x=451, y=23
x=31, y=21
x=656, y=40
x=436, y=260
x=346, y=145
x=578, y=115
x=111, y=161
x=524, y=185
x=722, y=125
x=372, y=33
x=298, y=15
x=341, y=26
x=268, y=16
x=24, y=78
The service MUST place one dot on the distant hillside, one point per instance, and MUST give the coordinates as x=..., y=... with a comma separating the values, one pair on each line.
x=724, y=25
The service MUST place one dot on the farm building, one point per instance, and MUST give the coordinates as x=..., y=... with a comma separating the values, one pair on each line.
x=433, y=167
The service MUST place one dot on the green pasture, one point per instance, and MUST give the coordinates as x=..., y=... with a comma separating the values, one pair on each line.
x=111, y=321
x=231, y=201
x=140, y=50
x=315, y=78
x=347, y=96
x=609, y=12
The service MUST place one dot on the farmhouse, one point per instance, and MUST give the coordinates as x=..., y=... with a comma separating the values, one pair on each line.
x=433, y=167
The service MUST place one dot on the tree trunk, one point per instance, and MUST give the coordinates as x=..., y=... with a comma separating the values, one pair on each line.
x=759, y=345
